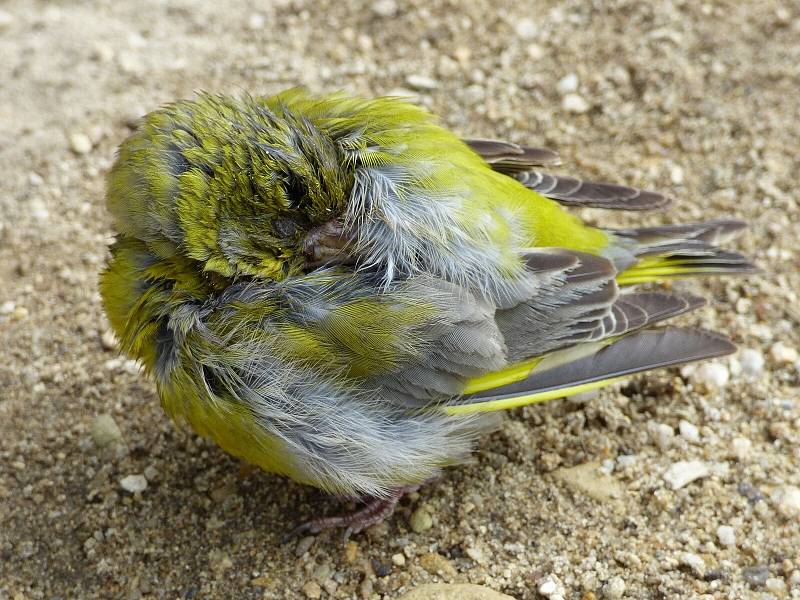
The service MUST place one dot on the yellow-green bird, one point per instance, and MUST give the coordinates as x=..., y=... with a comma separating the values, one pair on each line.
x=342, y=291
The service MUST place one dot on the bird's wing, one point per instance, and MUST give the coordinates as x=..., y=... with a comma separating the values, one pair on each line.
x=520, y=163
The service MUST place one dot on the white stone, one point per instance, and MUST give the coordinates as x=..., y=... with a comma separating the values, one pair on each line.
x=7, y=307
x=548, y=587
x=6, y=19
x=740, y=448
x=689, y=432
x=676, y=174
x=477, y=555
x=80, y=143
x=787, y=501
x=133, y=483
x=726, y=535
x=534, y=51
x=776, y=585
x=783, y=354
x=614, y=589
x=752, y=362
x=38, y=209
x=662, y=434
x=399, y=559
x=574, y=103
x=384, y=8
x=684, y=472
x=607, y=466
x=567, y=84
x=714, y=375
x=526, y=29
x=583, y=397
x=694, y=562
x=422, y=82
x=256, y=21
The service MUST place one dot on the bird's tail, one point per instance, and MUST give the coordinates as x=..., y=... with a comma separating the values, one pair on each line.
x=653, y=254
x=678, y=251
x=589, y=366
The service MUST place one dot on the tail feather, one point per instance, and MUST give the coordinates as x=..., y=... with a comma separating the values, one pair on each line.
x=677, y=251
x=590, y=366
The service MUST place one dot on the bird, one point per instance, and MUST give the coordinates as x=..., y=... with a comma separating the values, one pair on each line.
x=340, y=290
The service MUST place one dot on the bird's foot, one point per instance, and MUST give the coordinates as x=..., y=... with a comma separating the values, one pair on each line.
x=375, y=510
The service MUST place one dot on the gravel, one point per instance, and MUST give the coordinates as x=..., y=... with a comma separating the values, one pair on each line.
x=664, y=96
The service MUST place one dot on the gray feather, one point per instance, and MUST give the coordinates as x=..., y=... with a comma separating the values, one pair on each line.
x=510, y=158
x=575, y=192
x=711, y=233
x=640, y=351
x=564, y=310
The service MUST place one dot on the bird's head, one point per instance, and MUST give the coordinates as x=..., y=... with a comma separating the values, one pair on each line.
x=240, y=187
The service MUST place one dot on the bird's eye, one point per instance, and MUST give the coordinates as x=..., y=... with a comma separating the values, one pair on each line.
x=284, y=227
x=295, y=191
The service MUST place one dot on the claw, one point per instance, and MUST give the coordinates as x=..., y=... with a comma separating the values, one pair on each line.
x=375, y=510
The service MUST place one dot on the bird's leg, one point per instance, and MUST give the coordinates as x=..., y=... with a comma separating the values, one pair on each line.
x=375, y=510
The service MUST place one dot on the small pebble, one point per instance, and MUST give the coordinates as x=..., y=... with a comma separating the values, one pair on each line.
x=752, y=362
x=756, y=576
x=694, y=562
x=435, y=564
x=783, y=354
x=689, y=432
x=80, y=143
x=256, y=21
x=684, y=472
x=676, y=174
x=526, y=28
x=726, y=535
x=794, y=579
x=574, y=103
x=787, y=501
x=740, y=448
x=567, y=84
x=548, y=587
x=421, y=520
x=422, y=82
x=477, y=555
x=399, y=559
x=219, y=562
x=384, y=8
x=712, y=375
x=776, y=585
x=583, y=397
x=312, y=590
x=614, y=589
x=607, y=466
x=304, y=545
x=350, y=552
x=105, y=431
x=662, y=434
x=6, y=19
x=133, y=483
x=534, y=51
x=108, y=340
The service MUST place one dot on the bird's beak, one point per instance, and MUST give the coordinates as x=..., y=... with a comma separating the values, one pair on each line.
x=327, y=244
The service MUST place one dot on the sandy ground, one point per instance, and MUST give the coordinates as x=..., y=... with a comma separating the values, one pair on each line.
x=695, y=98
